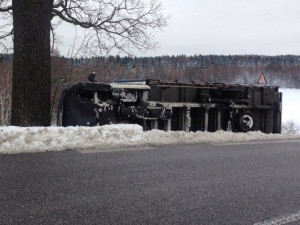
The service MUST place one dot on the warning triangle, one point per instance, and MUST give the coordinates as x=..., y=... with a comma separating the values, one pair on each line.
x=262, y=79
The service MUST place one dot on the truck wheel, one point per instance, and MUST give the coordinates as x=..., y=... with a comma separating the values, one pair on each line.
x=245, y=121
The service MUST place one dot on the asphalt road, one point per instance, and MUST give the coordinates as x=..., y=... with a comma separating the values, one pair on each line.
x=190, y=184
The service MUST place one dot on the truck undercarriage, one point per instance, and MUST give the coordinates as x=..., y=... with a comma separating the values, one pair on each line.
x=173, y=106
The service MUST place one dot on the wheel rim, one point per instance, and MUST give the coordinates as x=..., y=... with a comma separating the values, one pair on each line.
x=246, y=122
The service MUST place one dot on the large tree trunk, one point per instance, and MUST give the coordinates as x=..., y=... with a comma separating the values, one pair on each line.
x=31, y=87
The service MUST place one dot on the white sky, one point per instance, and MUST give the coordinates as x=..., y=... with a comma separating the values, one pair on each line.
x=269, y=27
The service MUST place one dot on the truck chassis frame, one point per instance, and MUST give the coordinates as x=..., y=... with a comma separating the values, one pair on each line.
x=173, y=106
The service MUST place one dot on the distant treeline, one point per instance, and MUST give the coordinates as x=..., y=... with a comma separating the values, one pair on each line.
x=282, y=71
x=245, y=69
x=202, y=61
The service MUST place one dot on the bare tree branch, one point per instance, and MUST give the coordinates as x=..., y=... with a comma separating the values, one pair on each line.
x=6, y=34
x=120, y=25
x=114, y=24
x=6, y=30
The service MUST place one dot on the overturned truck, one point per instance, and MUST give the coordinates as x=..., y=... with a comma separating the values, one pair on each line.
x=173, y=106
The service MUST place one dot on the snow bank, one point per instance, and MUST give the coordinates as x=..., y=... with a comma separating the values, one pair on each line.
x=35, y=139
x=162, y=137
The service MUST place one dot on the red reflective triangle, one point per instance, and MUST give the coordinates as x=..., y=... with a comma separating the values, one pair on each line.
x=262, y=79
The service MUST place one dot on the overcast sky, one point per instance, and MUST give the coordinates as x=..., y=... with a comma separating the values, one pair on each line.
x=269, y=27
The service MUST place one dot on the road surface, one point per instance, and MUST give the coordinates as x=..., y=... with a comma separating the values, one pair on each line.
x=256, y=183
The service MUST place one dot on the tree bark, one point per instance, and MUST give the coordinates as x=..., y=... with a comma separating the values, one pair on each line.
x=31, y=87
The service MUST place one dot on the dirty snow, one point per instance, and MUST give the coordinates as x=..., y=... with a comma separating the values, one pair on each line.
x=41, y=139
x=34, y=139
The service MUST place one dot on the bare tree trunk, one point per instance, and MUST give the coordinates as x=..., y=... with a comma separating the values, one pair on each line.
x=31, y=87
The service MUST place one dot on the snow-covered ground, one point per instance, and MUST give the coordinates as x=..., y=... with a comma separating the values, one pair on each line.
x=34, y=139
x=17, y=139
x=291, y=106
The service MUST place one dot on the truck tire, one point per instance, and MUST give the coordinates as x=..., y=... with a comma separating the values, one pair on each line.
x=244, y=121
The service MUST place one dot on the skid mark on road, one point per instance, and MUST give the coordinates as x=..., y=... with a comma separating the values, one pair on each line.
x=124, y=149
x=286, y=219
x=256, y=142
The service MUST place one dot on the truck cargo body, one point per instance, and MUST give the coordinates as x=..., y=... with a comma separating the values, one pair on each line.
x=173, y=106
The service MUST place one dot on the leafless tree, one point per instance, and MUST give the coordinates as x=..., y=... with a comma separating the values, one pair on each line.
x=5, y=107
x=6, y=30
x=5, y=93
x=113, y=24
x=108, y=24
x=290, y=127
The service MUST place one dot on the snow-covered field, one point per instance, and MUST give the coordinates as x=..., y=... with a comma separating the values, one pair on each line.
x=18, y=139
x=291, y=106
